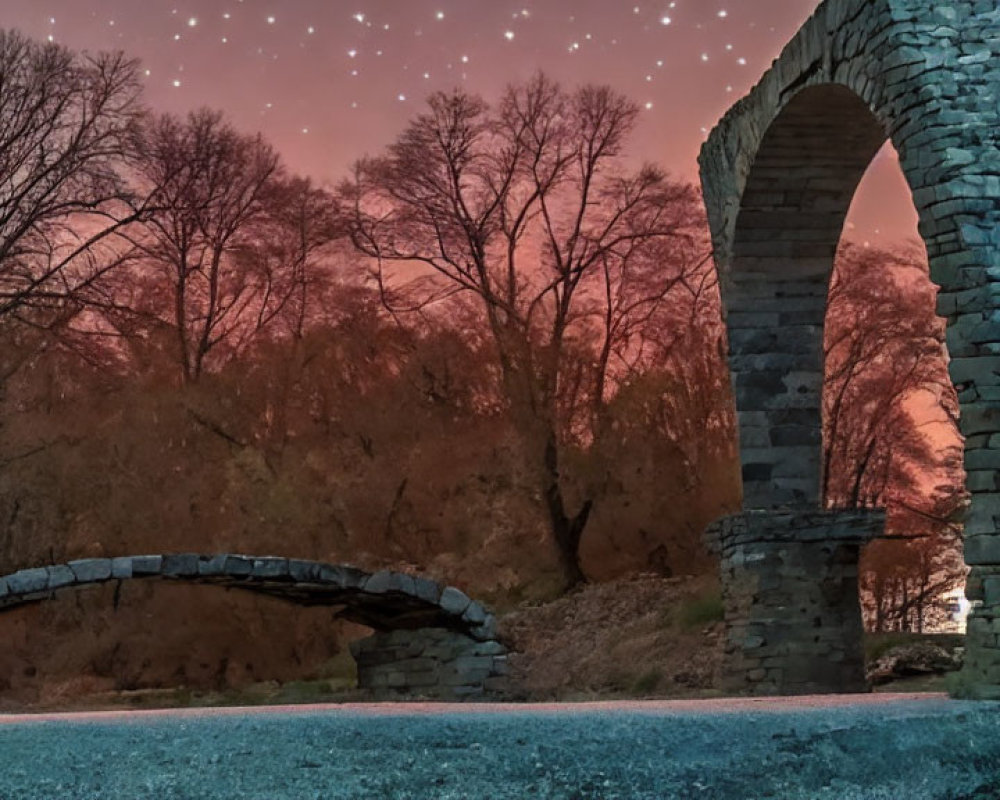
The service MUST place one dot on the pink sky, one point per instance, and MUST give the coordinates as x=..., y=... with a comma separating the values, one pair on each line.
x=328, y=80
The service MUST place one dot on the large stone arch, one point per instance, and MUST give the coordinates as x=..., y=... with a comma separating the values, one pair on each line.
x=429, y=640
x=779, y=173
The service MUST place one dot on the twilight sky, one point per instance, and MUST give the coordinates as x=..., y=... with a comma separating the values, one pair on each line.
x=328, y=80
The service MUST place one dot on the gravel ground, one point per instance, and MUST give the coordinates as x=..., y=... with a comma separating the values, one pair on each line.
x=905, y=748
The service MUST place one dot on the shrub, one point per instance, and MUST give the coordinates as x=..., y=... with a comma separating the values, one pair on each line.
x=699, y=610
x=647, y=682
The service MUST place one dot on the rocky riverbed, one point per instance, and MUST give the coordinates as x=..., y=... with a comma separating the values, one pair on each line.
x=917, y=748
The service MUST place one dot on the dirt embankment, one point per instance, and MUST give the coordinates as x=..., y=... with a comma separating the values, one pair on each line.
x=646, y=636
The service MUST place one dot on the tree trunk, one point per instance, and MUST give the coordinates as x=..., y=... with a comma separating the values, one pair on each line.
x=533, y=414
x=879, y=606
x=567, y=531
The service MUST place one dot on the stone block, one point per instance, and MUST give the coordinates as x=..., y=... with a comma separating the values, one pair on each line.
x=497, y=684
x=415, y=665
x=60, y=576
x=400, y=636
x=91, y=570
x=212, y=566
x=982, y=371
x=270, y=568
x=384, y=582
x=420, y=680
x=487, y=630
x=982, y=460
x=304, y=571
x=974, y=587
x=427, y=590
x=180, y=565
x=443, y=651
x=454, y=601
x=473, y=663
x=396, y=679
x=379, y=583
x=464, y=678
x=980, y=418
x=238, y=566
x=983, y=481
x=143, y=566
x=474, y=614
x=121, y=567
x=493, y=648
x=343, y=576
x=28, y=581
x=982, y=549
x=990, y=594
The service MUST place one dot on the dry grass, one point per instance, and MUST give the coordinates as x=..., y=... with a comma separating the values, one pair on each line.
x=641, y=637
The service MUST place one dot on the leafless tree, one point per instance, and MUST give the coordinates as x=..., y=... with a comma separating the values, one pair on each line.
x=286, y=250
x=530, y=208
x=211, y=183
x=67, y=124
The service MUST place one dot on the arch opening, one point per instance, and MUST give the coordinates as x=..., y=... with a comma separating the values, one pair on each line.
x=889, y=412
x=789, y=225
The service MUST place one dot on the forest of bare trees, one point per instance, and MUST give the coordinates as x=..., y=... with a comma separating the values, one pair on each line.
x=494, y=351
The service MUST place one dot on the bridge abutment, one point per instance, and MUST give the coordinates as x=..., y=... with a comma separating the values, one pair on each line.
x=430, y=662
x=790, y=595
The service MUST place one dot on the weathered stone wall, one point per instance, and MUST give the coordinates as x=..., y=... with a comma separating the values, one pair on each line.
x=790, y=592
x=779, y=173
x=430, y=662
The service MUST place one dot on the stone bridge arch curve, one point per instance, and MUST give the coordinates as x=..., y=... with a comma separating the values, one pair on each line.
x=429, y=639
x=778, y=174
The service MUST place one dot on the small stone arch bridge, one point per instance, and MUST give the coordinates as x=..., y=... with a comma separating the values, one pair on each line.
x=779, y=173
x=429, y=640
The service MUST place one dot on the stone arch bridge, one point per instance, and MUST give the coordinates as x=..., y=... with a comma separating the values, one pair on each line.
x=429, y=639
x=779, y=173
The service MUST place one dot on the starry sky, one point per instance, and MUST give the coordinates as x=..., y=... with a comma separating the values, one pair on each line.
x=327, y=81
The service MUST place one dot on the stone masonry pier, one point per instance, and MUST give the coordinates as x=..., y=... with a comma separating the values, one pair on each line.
x=790, y=593
x=430, y=662
x=453, y=635
x=779, y=173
